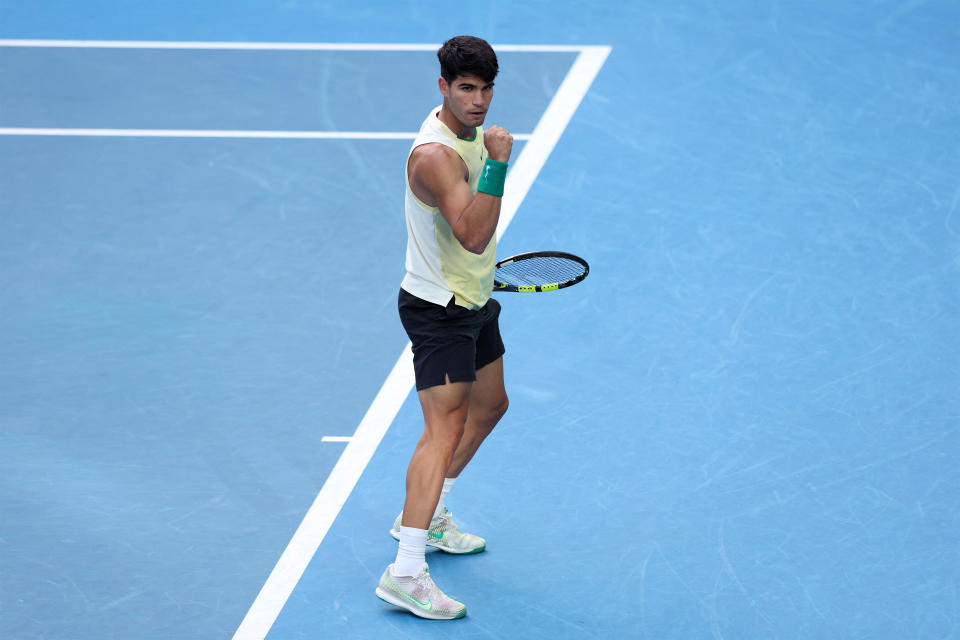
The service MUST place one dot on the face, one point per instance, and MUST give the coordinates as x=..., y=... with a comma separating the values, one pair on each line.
x=467, y=99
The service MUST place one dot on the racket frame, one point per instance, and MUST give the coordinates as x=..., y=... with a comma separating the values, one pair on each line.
x=534, y=288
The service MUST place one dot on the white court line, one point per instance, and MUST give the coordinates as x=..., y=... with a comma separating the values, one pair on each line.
x=205, y=133
x=275, y=46
x=336, y=439
x=216, y=133
x=385, y=406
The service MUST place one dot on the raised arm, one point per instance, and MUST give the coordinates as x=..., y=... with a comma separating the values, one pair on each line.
x=438, y=177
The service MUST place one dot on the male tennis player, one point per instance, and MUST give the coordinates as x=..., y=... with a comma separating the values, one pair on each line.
x=455, y=176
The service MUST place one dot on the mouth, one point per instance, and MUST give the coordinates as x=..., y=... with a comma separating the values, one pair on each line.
x=477, y=114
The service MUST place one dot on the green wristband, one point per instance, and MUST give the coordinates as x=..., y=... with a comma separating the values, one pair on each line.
x=492, y=176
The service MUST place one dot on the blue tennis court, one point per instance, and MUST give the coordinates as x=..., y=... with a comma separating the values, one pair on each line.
x=740, y=425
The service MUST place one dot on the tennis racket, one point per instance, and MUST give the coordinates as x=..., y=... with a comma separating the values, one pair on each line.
x=539, y=271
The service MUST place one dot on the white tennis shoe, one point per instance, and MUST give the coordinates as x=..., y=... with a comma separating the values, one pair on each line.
x=419, y=595
x=446, y=536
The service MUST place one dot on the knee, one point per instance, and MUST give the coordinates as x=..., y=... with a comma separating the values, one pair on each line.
x=443, y=437
x=502, y=407
x=495, y=411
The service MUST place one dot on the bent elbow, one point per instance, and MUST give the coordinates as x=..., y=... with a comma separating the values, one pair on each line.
x=473, y=245
x=475, y=248
x=476, y=244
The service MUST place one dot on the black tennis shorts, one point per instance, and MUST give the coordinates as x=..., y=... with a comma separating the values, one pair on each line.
x=450, y=341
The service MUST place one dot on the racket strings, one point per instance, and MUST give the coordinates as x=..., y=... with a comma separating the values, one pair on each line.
x=539, y=270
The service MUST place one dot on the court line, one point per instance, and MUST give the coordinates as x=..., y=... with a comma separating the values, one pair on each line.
x=216, y=133
x=385, y=406
x=273, y=46
x=336, y=439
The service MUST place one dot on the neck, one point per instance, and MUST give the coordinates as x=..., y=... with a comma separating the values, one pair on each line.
x=455, y=125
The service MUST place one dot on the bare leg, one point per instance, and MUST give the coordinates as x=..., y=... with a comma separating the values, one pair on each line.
x=486, y=405
x=445, y=411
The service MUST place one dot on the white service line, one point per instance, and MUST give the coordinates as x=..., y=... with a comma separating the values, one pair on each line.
x=336, y=439
x=356, y=455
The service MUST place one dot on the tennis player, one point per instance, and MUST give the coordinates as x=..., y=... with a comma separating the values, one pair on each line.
x=455, y=177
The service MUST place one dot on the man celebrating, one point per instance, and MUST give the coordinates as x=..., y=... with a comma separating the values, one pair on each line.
x=455, y=176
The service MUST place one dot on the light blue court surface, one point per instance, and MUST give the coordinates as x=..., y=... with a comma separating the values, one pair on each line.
x=743, y=424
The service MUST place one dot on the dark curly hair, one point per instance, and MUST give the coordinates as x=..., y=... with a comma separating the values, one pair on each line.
x=467, y=56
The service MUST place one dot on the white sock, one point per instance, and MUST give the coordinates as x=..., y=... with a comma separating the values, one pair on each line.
x=412, y=552
x=447, y=486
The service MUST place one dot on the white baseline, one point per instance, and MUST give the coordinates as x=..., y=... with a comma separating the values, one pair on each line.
x=218, y=133
x=274, y=46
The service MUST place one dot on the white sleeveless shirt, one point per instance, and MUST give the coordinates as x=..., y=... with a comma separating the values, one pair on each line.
x=438, y=267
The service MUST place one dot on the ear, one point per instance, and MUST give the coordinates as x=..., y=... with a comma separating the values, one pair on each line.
x=444, y=87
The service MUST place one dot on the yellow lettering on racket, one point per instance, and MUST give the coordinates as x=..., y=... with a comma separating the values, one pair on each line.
x=549, y=287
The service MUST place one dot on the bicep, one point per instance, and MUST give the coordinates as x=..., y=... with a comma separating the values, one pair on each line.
x=453, y=201
x=437, y=178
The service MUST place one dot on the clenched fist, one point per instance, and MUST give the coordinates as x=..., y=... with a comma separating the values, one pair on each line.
x=498, y=142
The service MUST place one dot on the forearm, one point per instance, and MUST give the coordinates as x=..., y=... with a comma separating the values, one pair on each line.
x=478, y=222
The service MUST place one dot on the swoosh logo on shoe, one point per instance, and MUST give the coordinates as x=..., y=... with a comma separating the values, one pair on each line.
x=435, y=536
x=426, y=606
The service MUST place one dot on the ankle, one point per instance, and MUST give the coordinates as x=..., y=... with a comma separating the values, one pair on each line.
x=411, y=553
